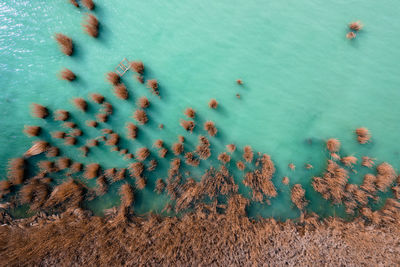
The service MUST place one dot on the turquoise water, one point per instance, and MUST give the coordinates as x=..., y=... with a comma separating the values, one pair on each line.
x=302, y=80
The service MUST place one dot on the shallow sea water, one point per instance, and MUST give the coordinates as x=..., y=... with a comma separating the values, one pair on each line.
x=304, y=82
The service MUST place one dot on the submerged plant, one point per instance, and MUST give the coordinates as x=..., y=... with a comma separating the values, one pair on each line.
x=333, y=145
x=142, y=153
x=153, y=85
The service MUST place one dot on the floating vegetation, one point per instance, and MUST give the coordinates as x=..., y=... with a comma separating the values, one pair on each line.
x=162, y=152
x=213, y=104
x=285, y=180
x=102, y=117
x=191, y=160
x=385, y=177
x=107, y=108
x=113, y=78
x=92, y=26
x=34, y=193
x=137, y=66
x=120, y=91
x=80, y=104
x=97, y=98
x=351, y=35
x=61, y=115
x=37, y=148
x=65, y=43
x=89, y=4
x=152, y=165
x=140, y=116
x=143, y=102
x=76, y=167
x=67, y=75
x=153, y=85
x=69, y=124
x=84, y=150
x=39, y=111
x=363, y=135
x=209, y=126
x=76, y=132
x=136, y=169
x=91, y=171
x=92, y=143
x=190, y=113
x=367, y=162
x=32, y=130
x=187, y=125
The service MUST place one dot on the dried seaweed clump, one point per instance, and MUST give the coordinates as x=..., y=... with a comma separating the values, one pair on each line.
x=190, y=113
x=260, y=179
x=80, y=103
x=248, y=154
x=92, y=26
x=385, y=177
x=112, y=140
x=67, y=75
x=187, y=125
x=158, y=143
x=153, y=85
x=143, y=102
x=16, y=171
x=213, y=104
x=363, y=135
x=349, y=161
x=209, y=126
x=65, y=44
x=333, y=145
x=140, y=116
x=61, y=115
x=34, y=193
x=356, y=26
x=231, y=148
x=160, y=185
x=113, y=78
x=89, y=4
x=332, y=184
x=67, y=194
x=137, y=66
x=91, y=171
x=191, y=160
x=97, y=98
x=224, y=157
x=132, y=130
x=120, y=91
x=177, y=148
x=203, y=148
x=298, y=196
x=240, y=165
x=367, y=162
x=136, y=169
x=32, y=130
x=91, y=123
x=63, y=163
x=39, y=111
x=142, y=153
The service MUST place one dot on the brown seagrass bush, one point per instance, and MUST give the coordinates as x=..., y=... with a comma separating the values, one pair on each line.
x=61, y=115
x=209, y=126
x=65, y=44
x=32, y=130
x=142, y=153
x=140, y=116
x=333, y=145
x=92, y=170
x=16, y=171
x=191, y=113
x=177, y=148
x=132, y=130
x=91, y=26
x=67, y=75
x=113, y=78
x=97, y=98
x=80, y=104
x=158, y=143
x=213, y=104
x=137, y=66
x=188, y=125
x=143, y=102
x=89, y=4
x=39, y=111
x=136, y=169
x=121, y=92
x=153, y=85
x=160, y=185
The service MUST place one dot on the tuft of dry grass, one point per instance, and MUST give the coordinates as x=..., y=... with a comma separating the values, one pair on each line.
x=120, y=91
x=91, y=171
x=231, y=148
x=73, y=2
x=142, y=153
x=162, y=152
x=143, y=102
x=136, y=169
x=89, y=4
x=32, y=130
x=61, y=115
x=160, y=186
x=107, y=108
x=224, y=157
x=76, y=132
x=58, y=134
x=191, y=113
x=140, y=116
x=158, y=143
x=92, y=26
x=132, y=130
x=65, y=43
x=181, y=139
x=349, y=161
x=209, y=126
x=285, y=180
x=112, y=140
x=356, y=26
x=52, y=152
x=137, y=66
x=102, y=117
x=191, y=160
x=188, y=125
x=113, y=78
x=67, y=75
x=76, y=167
x=240, y=165
x=91, y=123
x=248, y=154
x=16, y=171
x=39, y=111
x=37, y=148
x=177, y=148
x=333, y=145
x=298, y=196
x=97, y=98
x=351, y=35
x=213, y=104
x=363, y=135
x=80, y=104
x=92, y=142
x=152, y=165
x=69, y=124
x=84, y=150
x=70, y=141
x=140, y=183
x=367, y=162
x=63, y=163
x=153, y=85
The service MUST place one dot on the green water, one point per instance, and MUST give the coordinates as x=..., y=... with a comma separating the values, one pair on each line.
x=302, y=80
